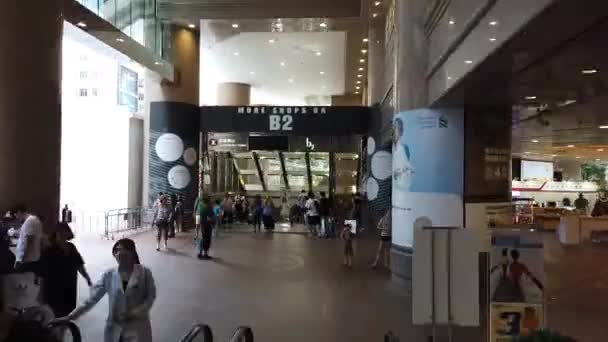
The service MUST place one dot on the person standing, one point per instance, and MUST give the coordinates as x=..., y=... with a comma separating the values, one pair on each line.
x=62, y=263
x=172, y=202
x=228, y=210
x=312, y=214
x=162, y=219
x=207, y=222
x=349, y=250
x=267, y=210
x=131, y=293
x=178, y=214
x=29, y=245
x=218, y=216
x=356, y=210
x=256, y=212
x=285, y=209
x=581, y=203
x=384, y=247
x=325, y=214
x=199, y=208
x=302, y=199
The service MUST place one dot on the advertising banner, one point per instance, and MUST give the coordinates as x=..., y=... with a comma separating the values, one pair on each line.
x=428, y=164
x=516, y=284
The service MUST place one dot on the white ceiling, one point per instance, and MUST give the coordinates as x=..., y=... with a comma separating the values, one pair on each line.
x=298, y=82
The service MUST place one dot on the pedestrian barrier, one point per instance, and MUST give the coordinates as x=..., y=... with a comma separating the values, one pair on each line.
x=132, y=219
x=202, y=330
x=242, y=334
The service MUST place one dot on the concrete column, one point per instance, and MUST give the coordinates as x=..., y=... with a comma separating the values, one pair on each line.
x=185, y=56
x=376, y=84
x=30, y=106
x=233, y=94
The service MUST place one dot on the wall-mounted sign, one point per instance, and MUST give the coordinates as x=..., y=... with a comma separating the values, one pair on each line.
x=309, y=144
x=227, y=142
x=545, y=186
x=286, y=120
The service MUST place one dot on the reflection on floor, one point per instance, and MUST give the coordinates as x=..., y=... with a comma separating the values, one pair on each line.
x=280, y=227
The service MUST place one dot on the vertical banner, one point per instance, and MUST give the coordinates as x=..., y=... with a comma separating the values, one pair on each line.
x=516, y=284
x=428, y=166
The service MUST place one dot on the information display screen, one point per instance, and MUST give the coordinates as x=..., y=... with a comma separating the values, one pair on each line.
x=531, y=169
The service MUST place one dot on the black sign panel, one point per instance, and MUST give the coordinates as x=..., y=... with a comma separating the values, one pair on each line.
x=280, y=120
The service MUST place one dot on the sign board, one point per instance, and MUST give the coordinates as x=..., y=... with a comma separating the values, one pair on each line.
x=551, y=186
x=288, y=120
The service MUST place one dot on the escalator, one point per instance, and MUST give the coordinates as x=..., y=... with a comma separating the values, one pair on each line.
x=203, y=333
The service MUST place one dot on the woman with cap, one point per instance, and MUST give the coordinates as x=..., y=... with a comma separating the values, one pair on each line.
x=131, y=293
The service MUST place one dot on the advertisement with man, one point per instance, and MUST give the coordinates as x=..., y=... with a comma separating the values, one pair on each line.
x=428, y=163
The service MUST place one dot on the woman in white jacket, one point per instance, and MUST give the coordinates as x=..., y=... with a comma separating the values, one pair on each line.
x=131, y=291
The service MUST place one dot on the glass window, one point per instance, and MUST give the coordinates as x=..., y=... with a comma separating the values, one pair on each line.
x=94, y=92
x=107, y=10
x=84, y=75
x=83, y=92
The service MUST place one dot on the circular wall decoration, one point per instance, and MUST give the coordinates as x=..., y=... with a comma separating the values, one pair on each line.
x=372, y=189
x=169, y=147
x=371, y=146
x=382, y=165
x=190, y=156
x=179, y=177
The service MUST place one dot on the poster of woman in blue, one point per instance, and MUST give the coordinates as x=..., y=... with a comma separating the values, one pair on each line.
x=428, y=161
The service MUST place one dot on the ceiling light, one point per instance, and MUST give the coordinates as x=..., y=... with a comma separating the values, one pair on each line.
x=493, y=23
x=120, y=40
x=492, y=39
x=323, y=87
x=374, y=15
x=362, y=60
x=361, y=69
x=449, y=78
x=535, y=141
x=359, y=76
x=323, y=24
x=365, y=40
x=82, y=24
x=363, y=51
x=235, y=25
x=377, y=3
x=359, y=82
x=530, y=97
x=570, y=146
x=271, y=41
x=527, y=152
x=158, y=63
x=598, y=159
x=283, y=64
x=357, y=87
x=603, y=127
x=290, y=80
x=468, y=61
x=600, y=150
x=589, y=71
x=554, y=155
x=318, y=53
x=252, y=73
x=451, y=22
x=578, y=157
x=356, y=93
x=191, y=26
x=236, y=53
x=322, y=72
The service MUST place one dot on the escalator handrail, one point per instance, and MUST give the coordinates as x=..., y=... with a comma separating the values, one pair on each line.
x=390, y=337
x=196, y=330
x=242, y=334
x=68, y=325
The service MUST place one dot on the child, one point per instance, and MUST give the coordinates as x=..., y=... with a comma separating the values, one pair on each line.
x=349, y=252
x=217, y=214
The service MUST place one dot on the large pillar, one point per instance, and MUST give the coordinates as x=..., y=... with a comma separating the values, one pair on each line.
x=30, y=105
x=178, y=103
x=410, y=92
x=233, y=94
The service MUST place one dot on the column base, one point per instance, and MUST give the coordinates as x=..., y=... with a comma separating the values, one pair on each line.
x=401, y=265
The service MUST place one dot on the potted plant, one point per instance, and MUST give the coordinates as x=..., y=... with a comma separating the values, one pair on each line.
x=545, y=336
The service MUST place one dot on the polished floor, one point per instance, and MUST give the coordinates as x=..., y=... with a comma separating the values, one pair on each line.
x=285, y=286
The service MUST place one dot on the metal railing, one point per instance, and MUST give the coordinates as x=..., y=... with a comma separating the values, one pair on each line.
x=63, y=326
x=126, y=219
x=197, y=330
x=242, y=334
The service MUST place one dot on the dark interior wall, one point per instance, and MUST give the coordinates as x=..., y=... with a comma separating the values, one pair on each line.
x=136, y=162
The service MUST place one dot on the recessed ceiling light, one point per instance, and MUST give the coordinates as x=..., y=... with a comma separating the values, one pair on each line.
x=290, y=80
x=598, y=159
x=359, y=82
x=271, y=40
x=492, y=39
x=362, y=60
x=235, y=25
x=449, y=78
x=377, y=3
x=554, y=155
x=603, y=127
x=357, y=87
x=589, y=71
x=191, y=26
x=578, y=157
x=158, y=63
x=359, y=76
x=82, y=24
x=374, y=15
x=252, y=73
x=468, y=61
x=322, y=72
x=600, y=150
x=527, y=152
x=323, y=24
x=570, y=146
x=323, y=87
x=120, y=40
x=361, y=69
x=535, y=141
x=493, y=23
x=452, y=22
x=356, y=93
x=236, y=53
x=283, y=64
x=363, y=51
x=318, y=53
x=365, y=40
x=530, y=97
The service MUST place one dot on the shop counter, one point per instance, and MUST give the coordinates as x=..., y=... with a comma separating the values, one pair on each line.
x=590, y=224
x=569, y=230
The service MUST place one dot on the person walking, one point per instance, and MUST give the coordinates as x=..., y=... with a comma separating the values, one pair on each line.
x=207, y=222
x=302, y=199
x=162, y=219
x=218, y=216
x=228, y=210
x=256, y=212
x=349, y=250
x=29, y=245
x=131, y=294
x=325, y=214
x=199, y=208
x=62, y=263
x=178, y=215
x=384, y=247
x=267, y=218
x=172, y=203
x=312, y=214
x=356, y=211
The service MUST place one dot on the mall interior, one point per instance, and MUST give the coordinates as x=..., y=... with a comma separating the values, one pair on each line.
x=472, y=131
